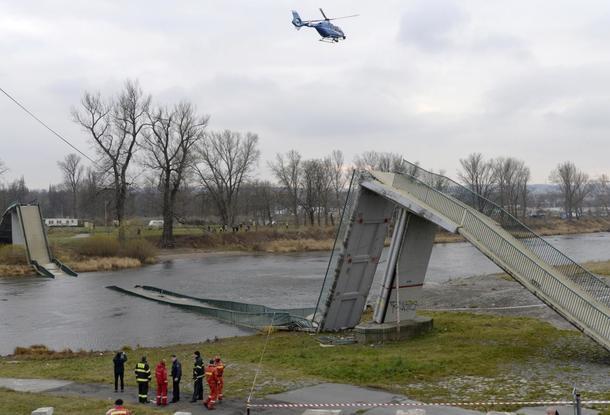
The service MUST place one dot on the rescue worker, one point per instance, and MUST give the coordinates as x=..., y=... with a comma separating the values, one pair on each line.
x=176, y=376
x=161, y=376
x=143, y=376
x=197, y=378
x=220, y=368
x=118, y=409
x=119, y=370
x=212, y=379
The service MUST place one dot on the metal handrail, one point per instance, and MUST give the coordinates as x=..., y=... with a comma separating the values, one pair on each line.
x=594, y=285
x=588, y=314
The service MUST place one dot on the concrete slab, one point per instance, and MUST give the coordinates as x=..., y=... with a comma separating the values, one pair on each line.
x=335, y=393
x=429, y=410
x=563, y=410
x=338, y=393
x=32, y=385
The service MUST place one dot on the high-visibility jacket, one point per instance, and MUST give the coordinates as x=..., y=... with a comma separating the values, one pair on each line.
x=198, y=369
x=118, y=410
x=211, y=376
x=143, y=372
x=220, y=368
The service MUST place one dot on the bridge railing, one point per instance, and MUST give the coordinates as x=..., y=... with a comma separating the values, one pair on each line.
x=436, y=186
x=591, y=317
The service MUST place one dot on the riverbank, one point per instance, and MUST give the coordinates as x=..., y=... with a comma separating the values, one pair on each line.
x=83, y=254
x=466, y=357
x=101, y=252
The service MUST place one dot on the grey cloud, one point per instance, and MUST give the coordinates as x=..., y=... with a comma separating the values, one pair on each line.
x=428, y=24
x=542, y=89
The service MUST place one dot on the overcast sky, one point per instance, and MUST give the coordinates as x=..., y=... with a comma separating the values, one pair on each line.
x=431, y=79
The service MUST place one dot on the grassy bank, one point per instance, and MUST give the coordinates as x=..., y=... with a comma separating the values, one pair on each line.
x=466, y=357
x=20, y=403
x=101, y=251
x=94, y=253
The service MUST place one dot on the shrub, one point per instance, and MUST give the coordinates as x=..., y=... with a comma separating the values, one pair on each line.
x=96, y=246
x=139, y=249
x=13, y=255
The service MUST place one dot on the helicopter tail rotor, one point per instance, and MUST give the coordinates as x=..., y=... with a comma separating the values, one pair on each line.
x=296, y=20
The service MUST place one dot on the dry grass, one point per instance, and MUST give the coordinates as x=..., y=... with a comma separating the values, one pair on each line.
x=263, y=239
x=108, y=246
x=599, y=267
x=13, y=255
x=15, y=270
x=556, y=226
x=298, y=245
x=104, y=264
x=40, y=351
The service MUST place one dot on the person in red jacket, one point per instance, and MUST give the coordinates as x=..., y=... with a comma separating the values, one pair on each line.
x=220, y=368
x=161, y=375
x=212, y=379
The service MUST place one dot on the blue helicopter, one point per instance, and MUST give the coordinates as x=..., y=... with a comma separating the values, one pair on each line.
x=329, y=32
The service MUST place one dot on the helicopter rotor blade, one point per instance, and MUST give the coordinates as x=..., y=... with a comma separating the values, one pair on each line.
x=322, y=11
x=344, y=17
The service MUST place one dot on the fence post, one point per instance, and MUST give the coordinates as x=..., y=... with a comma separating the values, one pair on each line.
x=577, y=396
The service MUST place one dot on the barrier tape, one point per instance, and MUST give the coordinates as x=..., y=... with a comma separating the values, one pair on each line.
x=400, y=404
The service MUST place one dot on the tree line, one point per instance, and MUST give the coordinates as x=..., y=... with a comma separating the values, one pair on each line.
x=157, y=159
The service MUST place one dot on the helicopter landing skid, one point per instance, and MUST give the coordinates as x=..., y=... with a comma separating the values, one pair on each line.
x=328, y=41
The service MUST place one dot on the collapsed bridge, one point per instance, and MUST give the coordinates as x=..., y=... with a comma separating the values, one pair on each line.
x=418, y=202
x=426, y=201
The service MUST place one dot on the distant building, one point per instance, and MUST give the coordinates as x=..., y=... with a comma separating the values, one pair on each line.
x=155, y=223
x=62, y=222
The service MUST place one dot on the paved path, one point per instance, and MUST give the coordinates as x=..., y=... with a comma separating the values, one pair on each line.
x=322, y=393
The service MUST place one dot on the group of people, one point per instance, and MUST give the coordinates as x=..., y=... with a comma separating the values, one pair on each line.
x=214, y=376
x=212, y=372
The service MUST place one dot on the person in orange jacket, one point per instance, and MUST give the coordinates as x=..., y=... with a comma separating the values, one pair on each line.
x=118, y=409
x=220, y=368
x=212, y=379
x=161, y=375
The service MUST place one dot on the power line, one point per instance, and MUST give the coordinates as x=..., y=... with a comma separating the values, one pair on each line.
x=46, y=126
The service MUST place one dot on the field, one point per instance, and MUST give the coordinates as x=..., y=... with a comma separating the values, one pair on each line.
x=467, y=357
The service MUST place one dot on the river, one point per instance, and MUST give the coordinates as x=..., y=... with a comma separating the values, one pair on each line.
x=80, y=313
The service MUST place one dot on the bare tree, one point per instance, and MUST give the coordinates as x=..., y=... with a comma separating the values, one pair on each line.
x=574, y=185
x=324, y=187
x=602, y=193
x=477, y=175
x=169, y=145
x=308, y=198
x=338, y=175
x=510, y=177
x=385, y=162
x=287, y=171
x=115, y=127
x=261, y=201
x=3, y=168
x=225, y=160
x=72, y=170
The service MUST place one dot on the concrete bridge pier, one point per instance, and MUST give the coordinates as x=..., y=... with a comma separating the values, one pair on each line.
x=395, y=312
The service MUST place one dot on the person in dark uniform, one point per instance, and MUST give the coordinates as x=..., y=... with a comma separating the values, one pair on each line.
x=119, y=370
x=176, y=376
x=143, y=377
x=197, y=378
